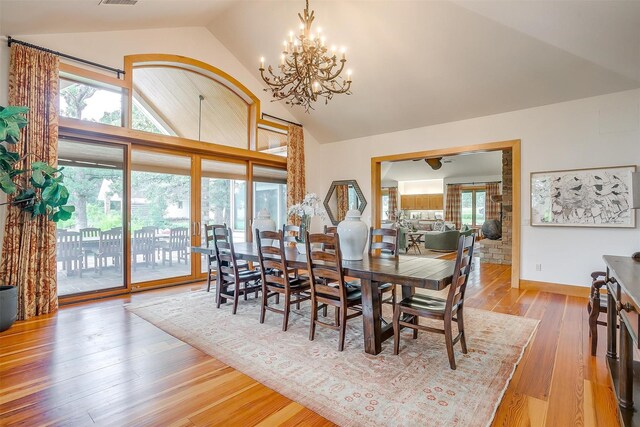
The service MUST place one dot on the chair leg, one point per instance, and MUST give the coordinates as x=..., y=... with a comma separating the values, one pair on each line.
x=448, y=338
x=208, y=277
x=219, y=287
x=396, y=329
x=343, y=327
x=263, y=306
x=324, y=310
x=463, y=340
x=415, y=331
x=337, y=315
x=236, y=297
x=314, y=316
x=287, y=307
x=594, y=312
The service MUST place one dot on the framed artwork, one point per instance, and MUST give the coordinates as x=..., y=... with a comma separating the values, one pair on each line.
x=599, y=197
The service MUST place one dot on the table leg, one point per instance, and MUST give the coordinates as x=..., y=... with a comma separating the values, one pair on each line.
x=625, y=386
x=371, y=316
x=408, y=291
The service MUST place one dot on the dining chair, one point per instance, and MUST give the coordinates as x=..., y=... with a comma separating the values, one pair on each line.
x=330, y=229
x=109, y=246
x=385, y=241
x=231, y=281
x=419, y=305
x=209, y=231
x=328, y=285
x=595, y=306
x=277, y=278
x=291, y=233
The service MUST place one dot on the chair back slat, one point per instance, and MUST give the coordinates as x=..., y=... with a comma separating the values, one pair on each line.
x=90, y=232
x=209, y=230
x=225, y=255
x=464, y=261
x=273, y=259
x=291, y=233
x=325, y=266
x=385, y=240
x=179, y=238
x=330, y=229
x=110, y=242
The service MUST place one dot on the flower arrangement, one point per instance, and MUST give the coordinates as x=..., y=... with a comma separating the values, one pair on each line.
x=310, y=206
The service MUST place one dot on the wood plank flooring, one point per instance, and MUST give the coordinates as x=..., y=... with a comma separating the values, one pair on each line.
x=96, y=363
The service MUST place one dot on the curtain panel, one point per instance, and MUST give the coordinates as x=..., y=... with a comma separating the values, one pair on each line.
x=393, y=203
x=295, y=166
x=29, y=247
x=493, y=208
x=453, y=211
x=342, y=196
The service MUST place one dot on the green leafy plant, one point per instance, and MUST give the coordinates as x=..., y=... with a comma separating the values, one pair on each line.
x=34, y=186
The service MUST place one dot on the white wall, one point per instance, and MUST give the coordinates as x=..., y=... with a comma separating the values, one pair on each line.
x=422, y=186
x=592, y=132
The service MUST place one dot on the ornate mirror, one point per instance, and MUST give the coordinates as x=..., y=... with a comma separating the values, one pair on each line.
x=343, y=196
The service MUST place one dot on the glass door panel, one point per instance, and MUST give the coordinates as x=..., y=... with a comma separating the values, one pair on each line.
x=223, y=197
x=161, y=227
x=270, y=193
x=90, y=244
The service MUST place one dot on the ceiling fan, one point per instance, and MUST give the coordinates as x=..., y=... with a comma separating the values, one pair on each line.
x=434, y=162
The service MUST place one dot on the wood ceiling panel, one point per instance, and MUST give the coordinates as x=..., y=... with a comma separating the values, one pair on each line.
x=174, y=95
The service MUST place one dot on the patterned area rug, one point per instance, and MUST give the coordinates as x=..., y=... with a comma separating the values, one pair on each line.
x=352, y=388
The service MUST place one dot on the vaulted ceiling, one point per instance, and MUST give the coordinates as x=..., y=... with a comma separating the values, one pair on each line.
x=415, y=63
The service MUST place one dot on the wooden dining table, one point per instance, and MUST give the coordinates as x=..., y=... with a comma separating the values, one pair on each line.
x=373, y=271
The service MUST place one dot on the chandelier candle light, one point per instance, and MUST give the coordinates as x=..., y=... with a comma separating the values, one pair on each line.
x=308, y=70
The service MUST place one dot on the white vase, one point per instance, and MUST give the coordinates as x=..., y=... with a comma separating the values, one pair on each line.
x=353, y=235
x=263, y=222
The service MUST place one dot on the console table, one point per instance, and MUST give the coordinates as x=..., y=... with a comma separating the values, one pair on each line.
x=623, y=286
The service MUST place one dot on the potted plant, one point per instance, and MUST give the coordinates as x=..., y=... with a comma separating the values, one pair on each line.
x=310, y=206
x=33, y=186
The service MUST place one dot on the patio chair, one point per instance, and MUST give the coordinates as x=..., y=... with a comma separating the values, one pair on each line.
x=90, y=236
x=110, y=246
x=143, y=243
x=69, y=251
x=178, y=242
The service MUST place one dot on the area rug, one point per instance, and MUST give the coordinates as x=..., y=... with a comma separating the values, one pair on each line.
x=352, y=388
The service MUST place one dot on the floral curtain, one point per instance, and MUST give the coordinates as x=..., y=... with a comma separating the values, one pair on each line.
x=29, y=247
x=393, y=203
x=493, y=208
x=452, y=212
x=295, y=166
x=342, y=196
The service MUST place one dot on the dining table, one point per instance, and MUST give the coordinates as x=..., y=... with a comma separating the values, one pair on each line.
x=409, y=272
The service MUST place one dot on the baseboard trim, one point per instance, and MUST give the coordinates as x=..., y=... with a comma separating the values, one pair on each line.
x=556, y=288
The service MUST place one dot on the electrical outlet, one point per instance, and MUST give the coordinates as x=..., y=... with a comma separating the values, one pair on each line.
x=538, y=267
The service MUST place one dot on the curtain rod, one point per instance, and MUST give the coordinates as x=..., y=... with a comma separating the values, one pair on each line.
x=282, y=120
x=472, y=183
x=118, y=71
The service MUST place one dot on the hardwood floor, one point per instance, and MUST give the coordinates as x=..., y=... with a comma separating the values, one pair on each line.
x=96, y=363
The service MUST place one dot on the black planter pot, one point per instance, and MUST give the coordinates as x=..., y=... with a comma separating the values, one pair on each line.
x=8, y=306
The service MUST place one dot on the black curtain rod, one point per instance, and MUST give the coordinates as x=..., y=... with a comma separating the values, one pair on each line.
x=118, y=71
x=282, y=120
x=472, y=183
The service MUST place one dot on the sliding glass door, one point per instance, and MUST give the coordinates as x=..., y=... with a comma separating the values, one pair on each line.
x=161, y=218
x=167, y=197
x=90, y=249
x=223, y=197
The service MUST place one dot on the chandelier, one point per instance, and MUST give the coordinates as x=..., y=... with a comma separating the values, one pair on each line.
x=308, y=70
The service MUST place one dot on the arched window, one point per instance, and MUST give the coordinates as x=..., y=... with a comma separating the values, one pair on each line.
x=179, y=96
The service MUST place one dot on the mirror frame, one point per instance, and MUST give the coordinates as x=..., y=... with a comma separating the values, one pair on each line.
x=362, y=202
